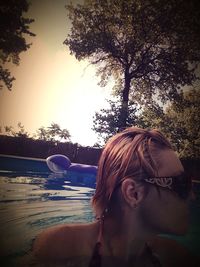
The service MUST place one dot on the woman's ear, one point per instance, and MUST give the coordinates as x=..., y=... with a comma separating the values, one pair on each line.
x=133, y=193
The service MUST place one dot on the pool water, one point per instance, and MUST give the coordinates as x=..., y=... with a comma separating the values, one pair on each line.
x=29, y=204
x=34, y=201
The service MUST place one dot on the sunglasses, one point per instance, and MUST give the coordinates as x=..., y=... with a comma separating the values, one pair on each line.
x=180, y=184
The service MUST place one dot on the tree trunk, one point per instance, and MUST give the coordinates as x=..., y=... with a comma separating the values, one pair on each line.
x=125, y=99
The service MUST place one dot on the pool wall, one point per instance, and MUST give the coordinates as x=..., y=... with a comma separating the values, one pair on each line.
x=16, y=163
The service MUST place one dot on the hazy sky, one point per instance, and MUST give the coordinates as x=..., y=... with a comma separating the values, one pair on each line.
x=51, y=85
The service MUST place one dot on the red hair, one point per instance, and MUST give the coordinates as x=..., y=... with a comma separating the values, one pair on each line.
x=130, y=153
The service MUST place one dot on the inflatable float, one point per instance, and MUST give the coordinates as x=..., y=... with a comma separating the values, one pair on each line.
x=80, y=174
x=62, y=164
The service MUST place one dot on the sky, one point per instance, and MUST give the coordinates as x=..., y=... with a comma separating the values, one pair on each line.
x=51, y=85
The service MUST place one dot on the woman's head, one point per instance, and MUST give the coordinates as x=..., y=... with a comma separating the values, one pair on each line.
x=135, y=154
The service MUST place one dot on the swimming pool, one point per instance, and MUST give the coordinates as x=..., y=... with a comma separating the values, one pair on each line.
x=33, y=201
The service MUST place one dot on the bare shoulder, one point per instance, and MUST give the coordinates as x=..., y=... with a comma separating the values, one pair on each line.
x=172, y=253
x=64, y=241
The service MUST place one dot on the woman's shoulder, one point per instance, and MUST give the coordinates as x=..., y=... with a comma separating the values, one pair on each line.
x=172, y=253
x=64, y=241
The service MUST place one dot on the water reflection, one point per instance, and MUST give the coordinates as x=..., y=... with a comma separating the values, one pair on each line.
x=15, y=187
x=32, y=203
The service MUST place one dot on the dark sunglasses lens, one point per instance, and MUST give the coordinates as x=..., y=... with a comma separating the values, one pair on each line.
x=182, y=185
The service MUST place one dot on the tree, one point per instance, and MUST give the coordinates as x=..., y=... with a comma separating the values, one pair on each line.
x=180, y=122
x=21, y=132
x=13, y=27
x=151, y=48
x=53, y=133
x=106, y=123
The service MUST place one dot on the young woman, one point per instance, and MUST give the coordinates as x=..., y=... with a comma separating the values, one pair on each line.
x=142, y=191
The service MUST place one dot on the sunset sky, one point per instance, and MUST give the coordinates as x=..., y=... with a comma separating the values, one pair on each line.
x=51, y=85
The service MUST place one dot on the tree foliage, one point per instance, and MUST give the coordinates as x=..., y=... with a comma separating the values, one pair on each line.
x=13, y=28
x=180, y=122
x=106, y=122
x=150, y=47
x=21, y=132
x=53, y=133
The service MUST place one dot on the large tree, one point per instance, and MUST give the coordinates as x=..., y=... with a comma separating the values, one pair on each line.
x=150, y=47
x=13, y=28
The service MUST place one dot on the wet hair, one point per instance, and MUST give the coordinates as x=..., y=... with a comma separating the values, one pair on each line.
x=133, y=153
